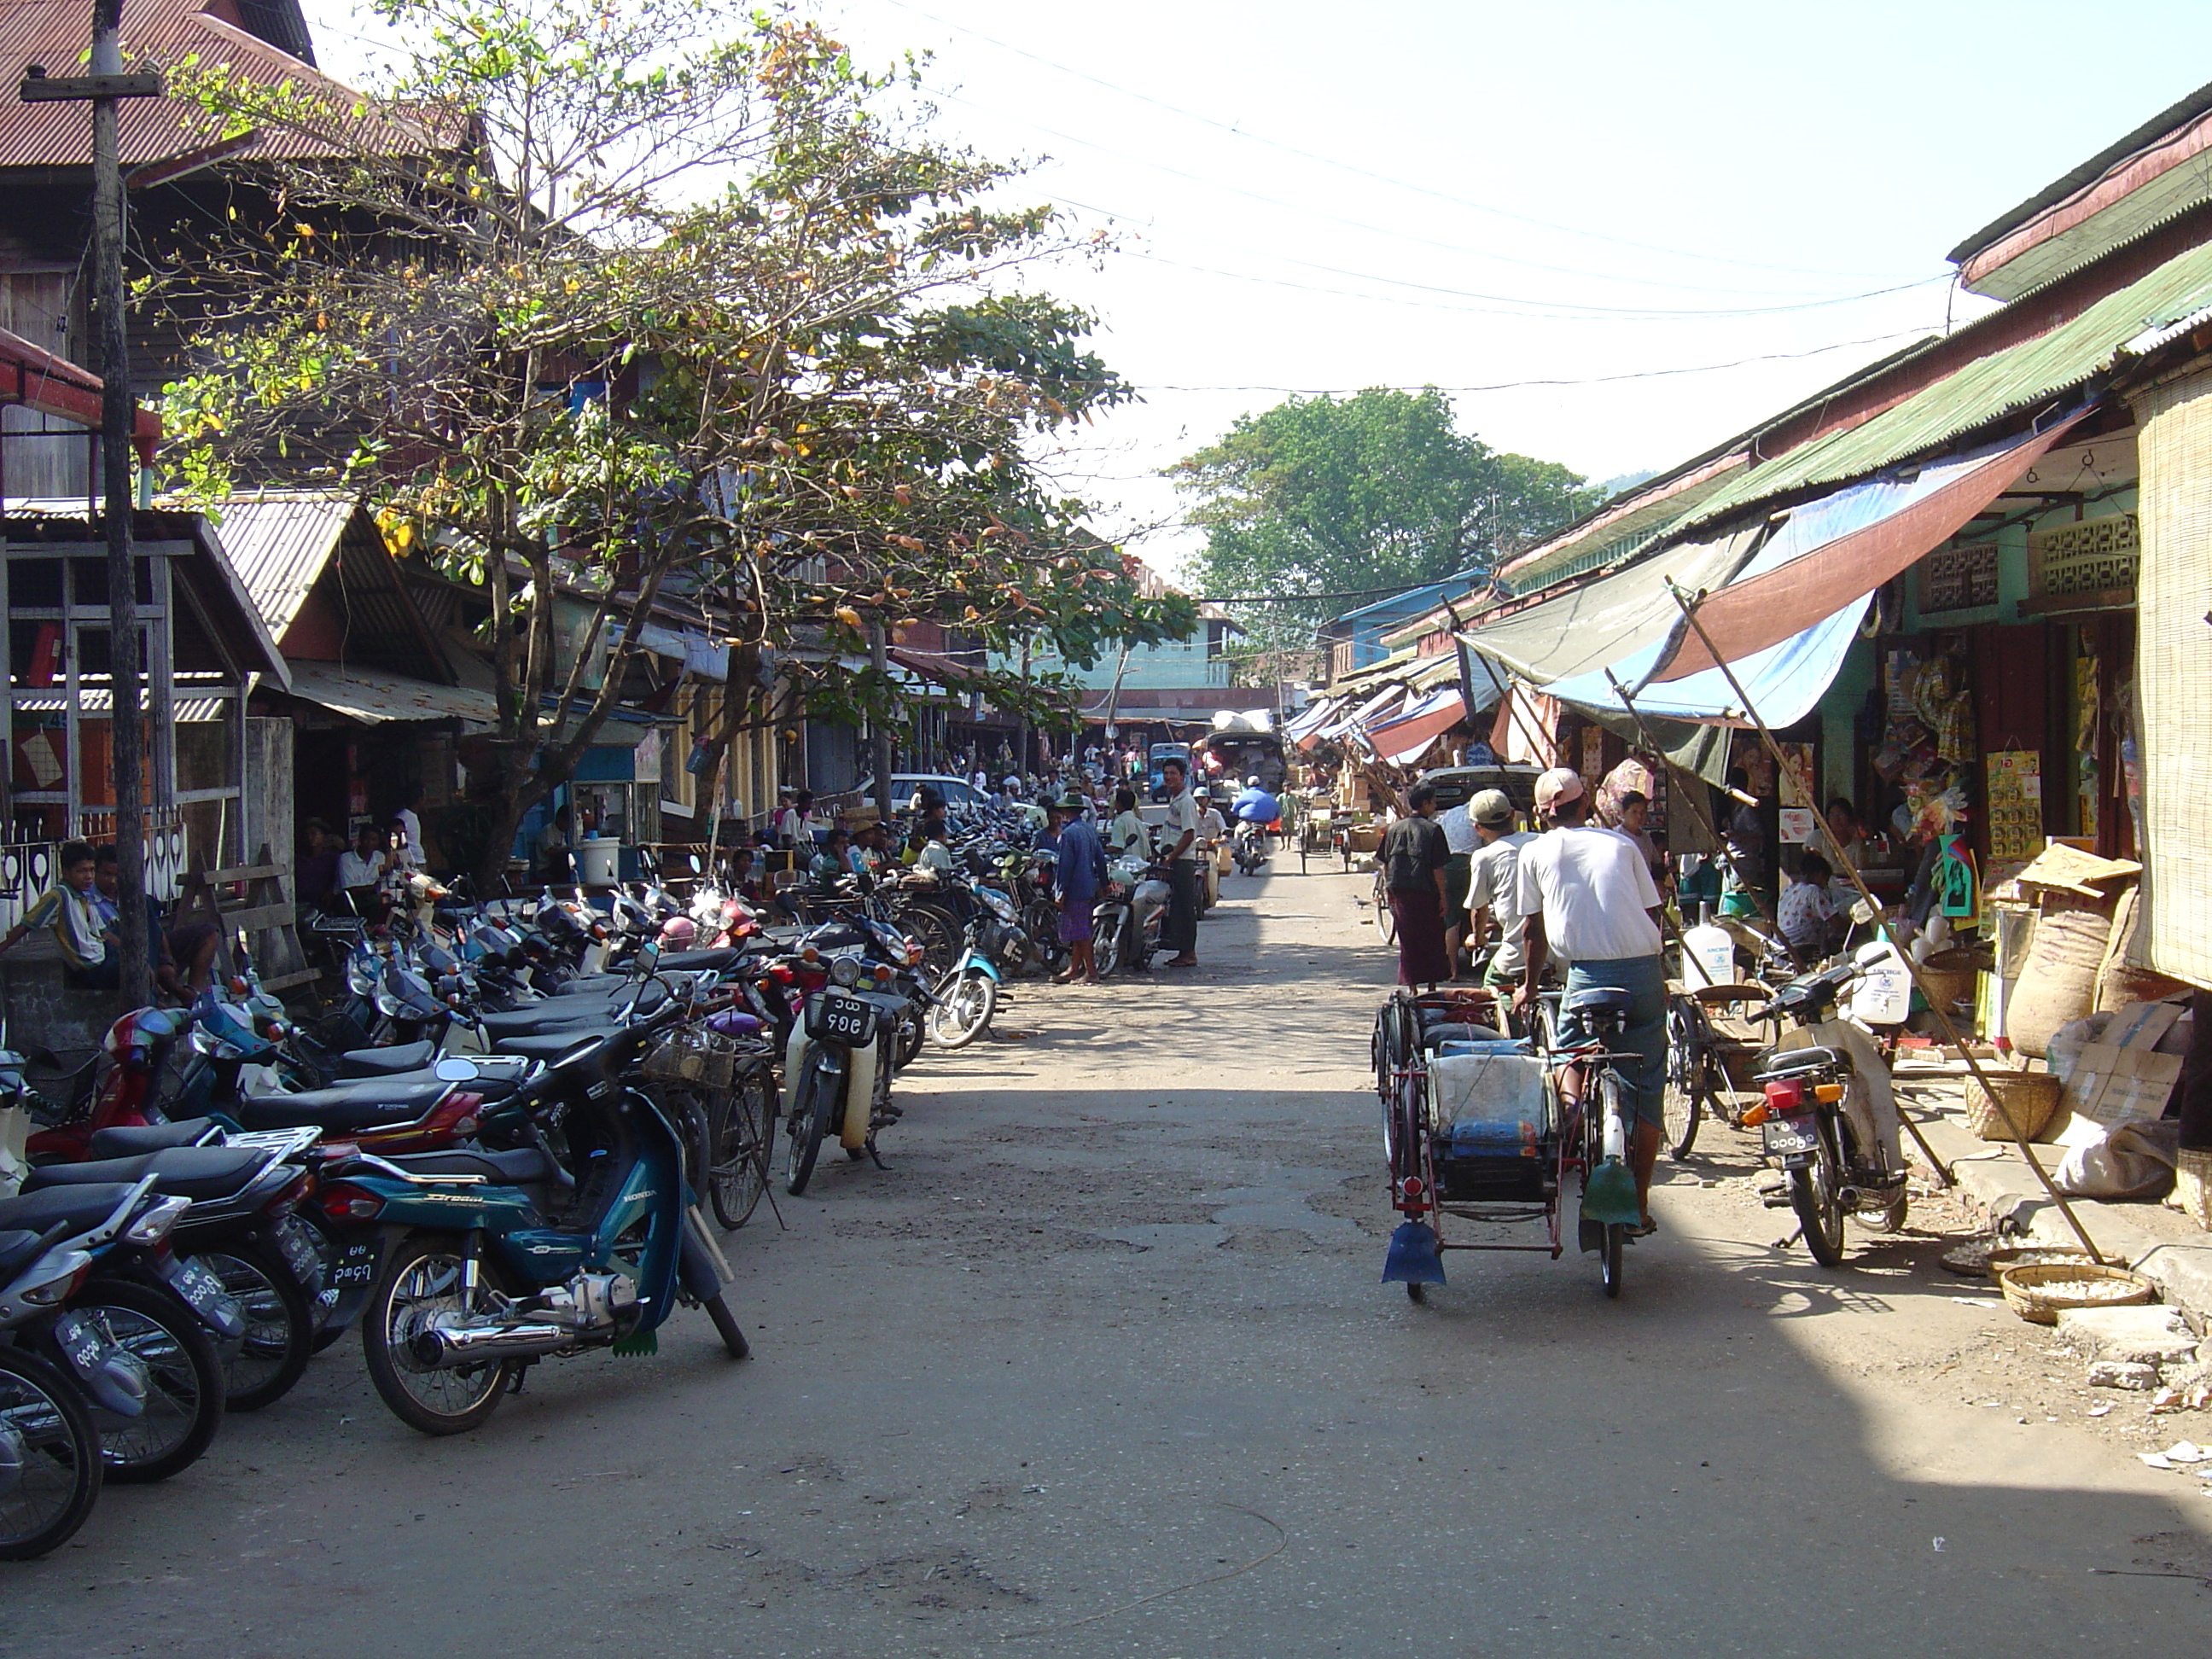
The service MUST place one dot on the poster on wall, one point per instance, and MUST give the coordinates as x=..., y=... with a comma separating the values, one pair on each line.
x=1592, y=766
x=1797, y=826
x=2015, y=804
x=1797, y=775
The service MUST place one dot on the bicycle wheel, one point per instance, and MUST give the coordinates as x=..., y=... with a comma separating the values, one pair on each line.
x=1687, y=1056
x=1385, y=919
x=936, y=932
x=50, y=1464
x=741, y=1130
x=814, y=1103
x=1610, y=1108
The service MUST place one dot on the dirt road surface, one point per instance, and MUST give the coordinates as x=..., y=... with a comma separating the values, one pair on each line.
x=1101, y=1366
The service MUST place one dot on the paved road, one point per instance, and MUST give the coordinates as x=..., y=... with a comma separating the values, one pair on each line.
x=1101, y=1366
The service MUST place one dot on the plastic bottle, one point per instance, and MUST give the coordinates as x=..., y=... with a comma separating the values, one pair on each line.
x=1883, y=995
x=1708, y=952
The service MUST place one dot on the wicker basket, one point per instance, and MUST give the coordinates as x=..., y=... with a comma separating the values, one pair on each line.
x=2192, y=1185
x=705, y=1058
x=2024, y=1101
x=2038, y=1291
x=1950, y=977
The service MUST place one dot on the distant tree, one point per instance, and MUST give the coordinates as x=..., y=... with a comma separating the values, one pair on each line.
x=1370, y=494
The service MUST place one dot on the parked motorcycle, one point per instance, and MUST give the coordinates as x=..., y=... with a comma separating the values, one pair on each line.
x=484, y=1274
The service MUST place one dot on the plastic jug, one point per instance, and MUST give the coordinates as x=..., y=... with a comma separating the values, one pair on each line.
x=1883, y=995
x=1708, y=953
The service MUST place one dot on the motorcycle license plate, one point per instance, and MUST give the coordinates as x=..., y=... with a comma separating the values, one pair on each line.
x=357, y=1264
x=841, y=1019
x=199, y=1287
x=297, y=1246
x=79, y=1345
x=1784, y=1135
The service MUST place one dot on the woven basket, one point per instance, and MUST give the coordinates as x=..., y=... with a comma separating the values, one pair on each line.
x=2038, y=1291
x=2192, y=1185
x=1950, y=977
x=2024, y=1101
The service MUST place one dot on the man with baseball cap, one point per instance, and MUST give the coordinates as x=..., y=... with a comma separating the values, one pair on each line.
x=1589, y=896
x=1494, y=892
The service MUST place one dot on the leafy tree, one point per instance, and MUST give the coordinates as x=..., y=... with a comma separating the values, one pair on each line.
x=628, y=303
x=1364, y=496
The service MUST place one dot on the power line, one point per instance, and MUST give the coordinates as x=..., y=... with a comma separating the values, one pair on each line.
x=1516, y=385
x=1361, y=173
x=1638, y=311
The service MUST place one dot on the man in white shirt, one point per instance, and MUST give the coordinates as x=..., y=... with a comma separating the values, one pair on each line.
x=1493, y=890
x=1180, y=832
x=1588, y=895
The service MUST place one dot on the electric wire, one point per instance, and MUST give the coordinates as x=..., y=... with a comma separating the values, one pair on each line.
x=1237, y=131
x=1581, y=310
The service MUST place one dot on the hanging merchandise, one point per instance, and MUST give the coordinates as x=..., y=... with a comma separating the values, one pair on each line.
x=1958, y=894
x=2014, y=796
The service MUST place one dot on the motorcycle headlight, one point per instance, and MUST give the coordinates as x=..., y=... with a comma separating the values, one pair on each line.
x=1000, y=905
x=156, y=1221
x=846, y=971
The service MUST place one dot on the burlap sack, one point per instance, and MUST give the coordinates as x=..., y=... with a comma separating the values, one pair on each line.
x=2060, y=984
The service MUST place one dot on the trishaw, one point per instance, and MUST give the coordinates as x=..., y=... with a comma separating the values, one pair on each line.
x=1475, y=1128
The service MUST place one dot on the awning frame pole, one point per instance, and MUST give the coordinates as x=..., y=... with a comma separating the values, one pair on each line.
x=1935, y=1004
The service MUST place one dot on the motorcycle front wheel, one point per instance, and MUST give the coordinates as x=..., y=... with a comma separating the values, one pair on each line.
x=50, y=1464
x=1106, y=949
x=815, y=1102
x=422, y=1285
x=963, y=1009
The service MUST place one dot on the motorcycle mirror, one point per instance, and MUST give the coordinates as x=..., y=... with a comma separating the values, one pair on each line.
x=1865, y=914
x=453, y=1069
x=695, y=866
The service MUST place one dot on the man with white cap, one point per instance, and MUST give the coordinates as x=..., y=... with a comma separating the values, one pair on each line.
x=1589, y=896
x=1493, y=889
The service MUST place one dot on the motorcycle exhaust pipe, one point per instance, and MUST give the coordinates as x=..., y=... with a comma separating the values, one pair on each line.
x=443, y=1347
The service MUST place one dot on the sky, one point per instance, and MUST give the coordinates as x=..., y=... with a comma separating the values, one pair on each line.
x=1547, y=209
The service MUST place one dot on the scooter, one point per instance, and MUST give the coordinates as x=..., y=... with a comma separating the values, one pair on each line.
x=965, y=998
x=839, y=1059
x=478, y=1281
x=1127, y=919
x=1248, y=847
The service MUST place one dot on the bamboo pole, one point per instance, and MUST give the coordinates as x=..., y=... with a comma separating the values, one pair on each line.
x=1689, y=604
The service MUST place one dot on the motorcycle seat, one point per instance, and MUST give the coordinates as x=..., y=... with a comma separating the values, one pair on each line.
x=130, y=1140
x=584, y=985
x=1783, y=1065
x=385, y=1062
x=76, y=1207
x=522, y=1165
x=17, y=1250
x=703, y=961
x=1596, y=999
x=349, y=1106
x=551, y=1045
x=195, y=1172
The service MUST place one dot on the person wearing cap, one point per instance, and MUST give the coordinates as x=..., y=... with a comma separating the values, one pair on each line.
x=1414, y=855
x=1494, y=892
x=1077, y=877
x=1461, y=836
x=1587, y=893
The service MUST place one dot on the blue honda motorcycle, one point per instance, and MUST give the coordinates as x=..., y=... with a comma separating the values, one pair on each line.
x=495, y=1260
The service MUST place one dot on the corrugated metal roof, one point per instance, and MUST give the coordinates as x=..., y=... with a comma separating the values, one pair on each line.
x=374, y=698
x=2018, y=378
x=155, y=34
x=280, y=542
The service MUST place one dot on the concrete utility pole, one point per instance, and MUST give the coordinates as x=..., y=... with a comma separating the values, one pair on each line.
x=879, y=659
x=105, y=88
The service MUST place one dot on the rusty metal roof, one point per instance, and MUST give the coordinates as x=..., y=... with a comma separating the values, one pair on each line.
x=374, y=697
x=280, y=542
x=57, y=34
